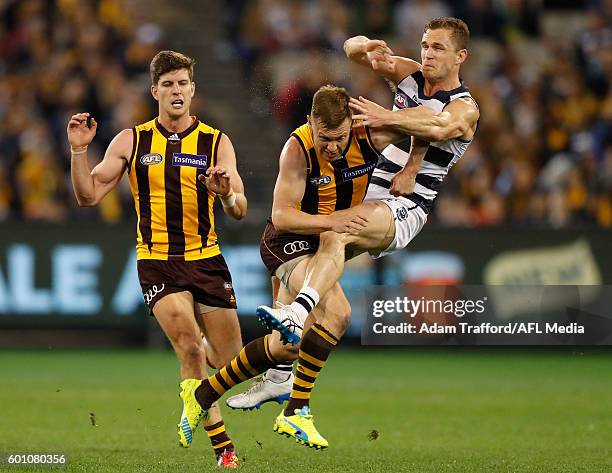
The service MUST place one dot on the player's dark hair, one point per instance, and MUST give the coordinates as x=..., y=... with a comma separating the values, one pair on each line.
x=168, y=61
x=460, y=32
x=330, y=105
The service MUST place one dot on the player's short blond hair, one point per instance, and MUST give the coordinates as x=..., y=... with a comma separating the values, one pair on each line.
x=168, y=61
x=460, y=33
x=330, y=105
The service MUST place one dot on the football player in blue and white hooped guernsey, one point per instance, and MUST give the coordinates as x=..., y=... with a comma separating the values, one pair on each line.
x=435, y=111
x=436, y=108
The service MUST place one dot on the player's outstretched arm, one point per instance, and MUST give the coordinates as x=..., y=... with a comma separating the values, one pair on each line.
x=457, y=120
x=289, y=192
x=376, y=54
x=224, y=180
x=91, y=186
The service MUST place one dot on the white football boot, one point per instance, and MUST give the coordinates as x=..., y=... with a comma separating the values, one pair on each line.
x=285, y=320
x=261, y=391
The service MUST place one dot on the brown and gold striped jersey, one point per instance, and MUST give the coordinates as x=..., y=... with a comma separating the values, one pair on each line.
x=174, y=209
x=339, y=184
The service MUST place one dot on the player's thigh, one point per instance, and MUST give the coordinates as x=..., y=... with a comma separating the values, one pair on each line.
x=174, y=313
x=378, y=232
x=222, y=331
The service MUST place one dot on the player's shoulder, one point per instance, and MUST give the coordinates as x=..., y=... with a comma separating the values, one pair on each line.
x=122, y=145
x=294, y=152
x=468, y=99
x=303, y=136
x=124, y=138
x=206, y=128
x=462, y=98
x=146, y=126
x=467, y=106
x=302, y=131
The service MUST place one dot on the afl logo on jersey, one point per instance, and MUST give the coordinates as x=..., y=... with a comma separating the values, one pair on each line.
x=320, y=181
x=151, y=159
x=400, y=100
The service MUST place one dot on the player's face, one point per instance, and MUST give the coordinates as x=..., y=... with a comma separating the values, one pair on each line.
x=439, y=54
x=174, y=91
x=331, y=142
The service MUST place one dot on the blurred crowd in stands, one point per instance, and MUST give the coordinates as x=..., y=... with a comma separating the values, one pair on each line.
x=540, y=71
x=58, y=58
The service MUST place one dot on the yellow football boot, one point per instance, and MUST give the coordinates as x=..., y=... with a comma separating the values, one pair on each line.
x=192, y=411
x=301, y=427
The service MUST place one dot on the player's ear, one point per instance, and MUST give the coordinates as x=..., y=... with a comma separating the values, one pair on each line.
x=192, y=88
x=154, y=92
x=462, y=56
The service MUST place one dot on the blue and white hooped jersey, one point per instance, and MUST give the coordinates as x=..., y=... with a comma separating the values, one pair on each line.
x=440, y=156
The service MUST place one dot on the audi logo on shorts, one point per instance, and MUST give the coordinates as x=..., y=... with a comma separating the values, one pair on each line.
x=296, y=247
x=151, y=293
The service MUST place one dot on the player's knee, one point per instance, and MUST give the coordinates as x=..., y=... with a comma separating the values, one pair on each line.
x=283, y=352
x=344, y=317
x=332, y=240
x=340, y=320
x=290, y=352
x=189, y=348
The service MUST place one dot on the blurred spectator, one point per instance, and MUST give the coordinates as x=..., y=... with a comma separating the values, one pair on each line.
x=411, y=15
x=483, y=17
x=58, y=58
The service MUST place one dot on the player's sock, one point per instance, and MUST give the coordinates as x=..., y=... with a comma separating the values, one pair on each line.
x=316, y=346
x=253, y=359
x=218, y=438
x=280, y=373
x=305, y=301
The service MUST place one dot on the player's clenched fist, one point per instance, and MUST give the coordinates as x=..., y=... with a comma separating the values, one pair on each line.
x=379, y=55
x=81, y=130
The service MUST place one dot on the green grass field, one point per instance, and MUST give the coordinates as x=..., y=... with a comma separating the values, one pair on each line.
x=435, y=411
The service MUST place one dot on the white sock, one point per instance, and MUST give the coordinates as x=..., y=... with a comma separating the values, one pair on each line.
x=305, y=302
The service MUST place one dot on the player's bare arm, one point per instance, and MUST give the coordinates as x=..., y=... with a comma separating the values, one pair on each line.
x=457, y=120
x=90, y=187
x=288, y=193
x=376, y=54
x=404, y=181
x=224, y=180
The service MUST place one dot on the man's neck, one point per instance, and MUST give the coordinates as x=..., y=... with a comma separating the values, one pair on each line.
x=430, y=88
x=175, y=125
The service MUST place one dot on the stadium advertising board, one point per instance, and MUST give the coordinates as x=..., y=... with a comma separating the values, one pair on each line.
x=85, y=276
